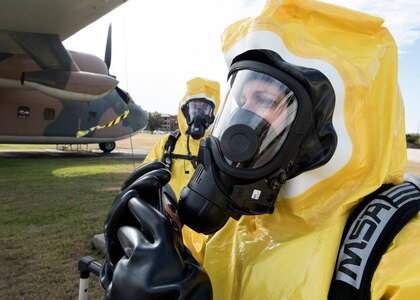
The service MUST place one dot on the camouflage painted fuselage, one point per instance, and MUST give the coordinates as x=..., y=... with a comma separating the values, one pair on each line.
x=29, y=115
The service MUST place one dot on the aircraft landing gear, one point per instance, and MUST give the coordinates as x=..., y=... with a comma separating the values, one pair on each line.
x=107, y=147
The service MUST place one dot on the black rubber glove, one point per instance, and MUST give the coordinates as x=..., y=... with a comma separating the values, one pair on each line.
x=145, y=255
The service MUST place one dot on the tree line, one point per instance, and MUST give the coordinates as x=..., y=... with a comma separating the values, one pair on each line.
x=413, y=140
x=156, y=121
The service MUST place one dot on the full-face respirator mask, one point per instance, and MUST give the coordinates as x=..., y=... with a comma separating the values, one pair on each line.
x=251, y=150
x=199, y=114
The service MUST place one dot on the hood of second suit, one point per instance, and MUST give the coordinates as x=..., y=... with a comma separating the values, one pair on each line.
x=199, y=88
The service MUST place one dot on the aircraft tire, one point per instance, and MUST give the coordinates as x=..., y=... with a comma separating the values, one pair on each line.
x=107, y=147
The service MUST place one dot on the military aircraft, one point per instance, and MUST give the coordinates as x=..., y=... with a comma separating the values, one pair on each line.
x=49, y=95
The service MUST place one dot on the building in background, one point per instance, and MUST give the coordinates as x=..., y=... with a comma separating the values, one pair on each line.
x=169, y=122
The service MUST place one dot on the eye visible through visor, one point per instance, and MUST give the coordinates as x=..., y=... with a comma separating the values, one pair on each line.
x=256, y=118
x=198, y=107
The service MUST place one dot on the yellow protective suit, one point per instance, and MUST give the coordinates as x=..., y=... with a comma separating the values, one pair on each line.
x=181, y=169
x=291, y=253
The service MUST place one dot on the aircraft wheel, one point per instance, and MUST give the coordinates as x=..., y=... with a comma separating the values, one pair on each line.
x=107, y=147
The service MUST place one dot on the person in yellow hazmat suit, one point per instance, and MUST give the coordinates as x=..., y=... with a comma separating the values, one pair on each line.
x=196, y=113
x=300, y=184
x=178, y=150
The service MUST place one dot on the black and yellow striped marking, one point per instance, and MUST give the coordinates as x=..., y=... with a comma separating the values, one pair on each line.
x=121, y=117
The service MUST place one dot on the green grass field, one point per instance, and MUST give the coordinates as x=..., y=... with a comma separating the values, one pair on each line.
x=50, y=209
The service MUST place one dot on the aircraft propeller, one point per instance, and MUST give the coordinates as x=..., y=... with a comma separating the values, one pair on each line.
x=108, y=49
x=107, y=60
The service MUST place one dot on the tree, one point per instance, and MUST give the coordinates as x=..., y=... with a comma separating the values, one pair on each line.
x=155, y=121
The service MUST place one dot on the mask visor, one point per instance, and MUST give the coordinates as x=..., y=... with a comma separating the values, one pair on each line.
x=256, y=118
x=200, y=108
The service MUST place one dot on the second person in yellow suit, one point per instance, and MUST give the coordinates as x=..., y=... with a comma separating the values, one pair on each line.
x=200, y=92
x=196, y=112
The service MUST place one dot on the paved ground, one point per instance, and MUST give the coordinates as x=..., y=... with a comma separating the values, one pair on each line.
x=135, y=147
x=51, y=153
x=413, y=155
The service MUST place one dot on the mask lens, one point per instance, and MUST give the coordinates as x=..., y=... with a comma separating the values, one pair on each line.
x=199, y=108
x=263, y=104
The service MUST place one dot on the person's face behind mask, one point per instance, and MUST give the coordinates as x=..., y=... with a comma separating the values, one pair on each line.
x=269, y=101
x=199, y=108
x=199, y=115
x=255, y=119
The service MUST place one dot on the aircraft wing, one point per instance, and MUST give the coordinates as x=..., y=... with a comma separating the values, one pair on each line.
x=37, y=28
x=59, y=17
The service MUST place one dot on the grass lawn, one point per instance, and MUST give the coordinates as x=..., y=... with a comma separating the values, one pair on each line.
x=49, y=211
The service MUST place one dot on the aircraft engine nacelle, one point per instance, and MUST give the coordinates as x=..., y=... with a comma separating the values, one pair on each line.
x=69, y=85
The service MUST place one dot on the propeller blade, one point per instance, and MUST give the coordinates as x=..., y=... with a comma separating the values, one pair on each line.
x=108, y=48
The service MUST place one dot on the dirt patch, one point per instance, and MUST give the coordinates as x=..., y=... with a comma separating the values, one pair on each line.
x=413, y=167
x=143, y=141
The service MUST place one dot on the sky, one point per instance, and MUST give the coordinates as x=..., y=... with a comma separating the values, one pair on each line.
x=157, y=46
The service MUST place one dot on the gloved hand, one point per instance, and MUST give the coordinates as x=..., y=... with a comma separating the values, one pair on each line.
x=145, y=255
x=155, y=165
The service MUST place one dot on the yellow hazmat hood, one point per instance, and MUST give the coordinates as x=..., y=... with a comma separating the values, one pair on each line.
x=199, y=88
x=359, y=58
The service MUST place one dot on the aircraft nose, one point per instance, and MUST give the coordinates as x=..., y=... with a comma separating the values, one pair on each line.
x=138, y=117
x=143, y=118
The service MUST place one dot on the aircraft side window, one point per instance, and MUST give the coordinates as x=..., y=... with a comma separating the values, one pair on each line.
x=23, y=112
x=92, y=116
x=49, y=113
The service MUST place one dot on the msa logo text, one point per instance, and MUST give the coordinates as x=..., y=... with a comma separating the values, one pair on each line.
x=364, y=232
x=360, y=240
